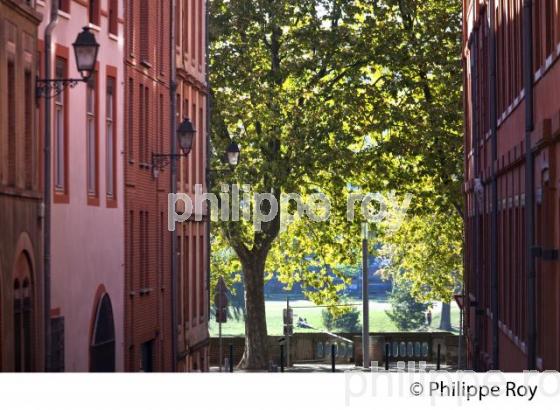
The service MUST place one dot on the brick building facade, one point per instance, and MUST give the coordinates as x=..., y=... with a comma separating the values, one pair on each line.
x=192, y=236
x=112, y=293
x=149, y=284
x=148, y=298
x=21, y=265
x=512, y=282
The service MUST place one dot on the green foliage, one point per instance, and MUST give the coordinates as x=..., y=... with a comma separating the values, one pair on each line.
x=348, y=321
x=427, y=253
x=340, y=96
x=407, y=312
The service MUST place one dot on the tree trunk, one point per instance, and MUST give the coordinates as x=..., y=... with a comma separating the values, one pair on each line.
x=255, y=356
x=445, y=322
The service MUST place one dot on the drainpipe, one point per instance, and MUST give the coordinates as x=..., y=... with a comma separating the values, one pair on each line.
x=208, y=156
x=529, y=185
x=494, y=216
x=47, y=188
x=173, y=178
x=476, y=233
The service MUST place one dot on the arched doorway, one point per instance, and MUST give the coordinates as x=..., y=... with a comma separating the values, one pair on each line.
x=23, y=315
x=102, y=347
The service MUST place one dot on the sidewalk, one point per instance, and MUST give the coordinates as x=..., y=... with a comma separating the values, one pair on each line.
x=340, y=368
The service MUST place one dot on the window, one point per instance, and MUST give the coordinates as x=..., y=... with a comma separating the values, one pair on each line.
x=549, y=27
x=193, y=31
x=12, y=160
x=194, y=273
x=131, y=258
x=22, y=325
x=162, y=231
x=94, y=12
x=145, y=31
x=161, y=122
x=60, y=130
x=102, y=347
x=144, y=250
x=196, y=146
x=161, y=37
x=185, y=30
x=200, y=30
x=29, y=143
x=186, y=285
x=141, y=250
x=130, y=25
x=143, y=125
x=91, y=136
x=64, y=5
x=537, y=35
x=110, y=138
x=201, y=145
x=188, y=181
x=148, y=357
x=178, y=23
x=23, y=315
x=113, y=17
x=141, y=131
x=147, y=129
x=130, y=121
x=201, y=275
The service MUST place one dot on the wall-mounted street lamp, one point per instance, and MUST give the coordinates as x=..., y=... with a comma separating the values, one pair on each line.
x=232, y=153
x=230, y=158
x=85, y=50
x=185, y=136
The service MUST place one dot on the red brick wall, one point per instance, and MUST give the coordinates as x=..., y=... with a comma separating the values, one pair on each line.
x=191, y=103
x=147, y=240
x=511, y=247
x=148, y=267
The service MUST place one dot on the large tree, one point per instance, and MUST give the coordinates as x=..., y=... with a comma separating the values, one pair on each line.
x=331, y=96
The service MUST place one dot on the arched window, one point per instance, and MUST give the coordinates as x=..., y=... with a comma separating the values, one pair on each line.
x=102, y=348
x=23, y=316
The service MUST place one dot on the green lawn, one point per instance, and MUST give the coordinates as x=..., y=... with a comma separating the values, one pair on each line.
x=378, y=319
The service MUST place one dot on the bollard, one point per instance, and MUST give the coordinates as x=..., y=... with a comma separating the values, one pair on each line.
x=282, y=358
x=333, y=358
x=231, y=358
x=387, y=356
x=438, y=357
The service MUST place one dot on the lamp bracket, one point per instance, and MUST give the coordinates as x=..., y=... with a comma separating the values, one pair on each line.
x=50, y=88
x=160, y=161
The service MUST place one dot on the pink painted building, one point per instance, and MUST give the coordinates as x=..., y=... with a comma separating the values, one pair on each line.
x=87, y=248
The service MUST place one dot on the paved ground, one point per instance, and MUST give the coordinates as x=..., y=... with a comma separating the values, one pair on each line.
x=326, y=368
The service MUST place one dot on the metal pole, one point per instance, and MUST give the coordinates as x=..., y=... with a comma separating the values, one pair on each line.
x=438, y=357
x=208, y=151
x=231, y=358
x=460, y=358
x=494, y=215
x=287, y=334
x=282, y=358
x=529, y=186
x=47, y=190
x=173, y=178
x=475, y=279
x=221, y=345
x=365, y=299
x=387, y=356
x=333, y=358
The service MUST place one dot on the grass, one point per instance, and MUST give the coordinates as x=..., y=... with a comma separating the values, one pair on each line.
x=378, y=319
